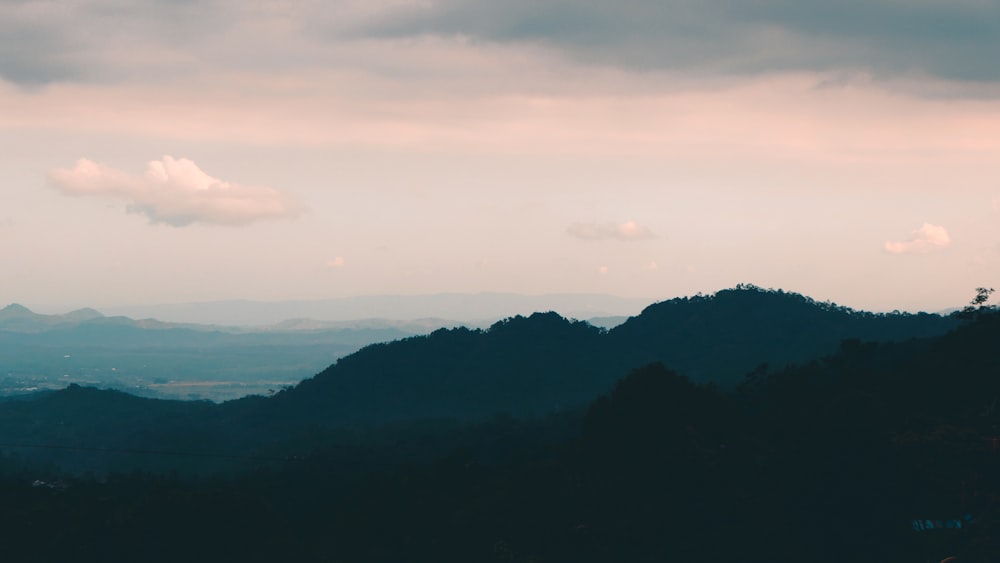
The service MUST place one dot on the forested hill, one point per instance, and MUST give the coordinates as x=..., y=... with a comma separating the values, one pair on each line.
x=544, y=362
x=523, y=366
x=719, y=338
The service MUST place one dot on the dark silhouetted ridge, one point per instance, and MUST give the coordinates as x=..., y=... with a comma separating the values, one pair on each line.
x=722, y=337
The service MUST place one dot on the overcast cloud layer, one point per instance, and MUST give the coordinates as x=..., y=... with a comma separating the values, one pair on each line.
x=43, y=41
x=883, y=37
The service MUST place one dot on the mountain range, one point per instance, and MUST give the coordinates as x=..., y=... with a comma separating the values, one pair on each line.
x=521, y=366
x=472, y=309
x=179, y=360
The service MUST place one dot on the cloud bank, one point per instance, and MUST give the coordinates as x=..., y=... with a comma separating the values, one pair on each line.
x=627, y=231
x=925, y=239
x=175, y=192
x=42, y=41
x=885, y=37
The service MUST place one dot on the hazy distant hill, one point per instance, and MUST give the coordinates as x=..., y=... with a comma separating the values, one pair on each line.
x=476, y=308
x=152, y=357
x=17, y=317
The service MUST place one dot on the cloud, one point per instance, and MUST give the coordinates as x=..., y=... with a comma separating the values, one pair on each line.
x=629, y=230
x=925, y=239
x=176, y=192
x=42, y=41
x=45, y=41
x=943, y=39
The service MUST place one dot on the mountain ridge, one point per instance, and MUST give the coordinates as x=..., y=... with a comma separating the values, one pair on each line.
x=550, y=362
x=520, y=366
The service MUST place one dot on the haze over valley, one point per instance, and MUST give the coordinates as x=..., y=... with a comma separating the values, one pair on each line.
x=250, y=348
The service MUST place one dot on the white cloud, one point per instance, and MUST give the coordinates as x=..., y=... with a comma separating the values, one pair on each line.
x=176, y=192
x=925, y=239
x=629, y=230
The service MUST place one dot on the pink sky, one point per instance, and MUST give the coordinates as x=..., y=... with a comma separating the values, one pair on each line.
x=315, y=150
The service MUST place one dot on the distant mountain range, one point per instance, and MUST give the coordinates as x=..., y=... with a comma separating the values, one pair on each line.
x=152, y=357
x=520, y=366
x=180, y=360
x=15, y=317
x=18, y=318
x=467, y=308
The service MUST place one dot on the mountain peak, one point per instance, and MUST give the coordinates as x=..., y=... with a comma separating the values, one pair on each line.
x=15, y=310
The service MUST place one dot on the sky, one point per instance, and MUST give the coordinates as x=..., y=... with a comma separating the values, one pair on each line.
x=156, y=151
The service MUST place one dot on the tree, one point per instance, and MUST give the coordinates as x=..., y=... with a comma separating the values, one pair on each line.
x=978, y=304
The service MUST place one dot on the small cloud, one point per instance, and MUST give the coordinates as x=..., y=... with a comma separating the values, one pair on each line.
x=603, y=270
x=337, y=262
x=629, y=230
x=176, y=192
x=925, y=239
